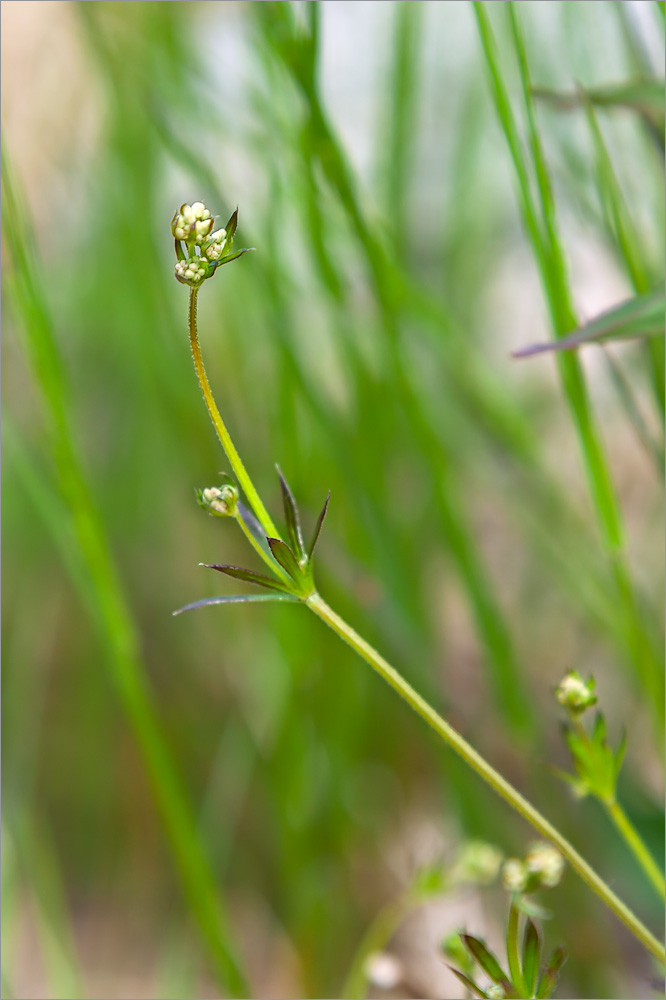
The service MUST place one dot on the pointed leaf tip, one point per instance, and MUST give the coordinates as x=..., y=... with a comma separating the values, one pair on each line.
x=249, y=576
x=291, y=516
x=320, y=521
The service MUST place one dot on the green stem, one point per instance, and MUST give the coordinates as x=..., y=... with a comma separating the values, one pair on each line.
x=513, y=948
x=487, y=772
x=254, y=542
x=218, y=423
x=377, y=936
x=636, y=845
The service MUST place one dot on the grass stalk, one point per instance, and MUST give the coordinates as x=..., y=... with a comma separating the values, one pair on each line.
x=636, y=845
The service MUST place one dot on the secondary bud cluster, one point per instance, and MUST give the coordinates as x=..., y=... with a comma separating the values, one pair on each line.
x=575, y=694
x=193, y=223
x=542, y=868
x=191, y=272
x=220, y=501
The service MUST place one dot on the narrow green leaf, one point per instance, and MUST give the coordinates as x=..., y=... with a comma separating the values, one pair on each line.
x=291, y=515
x=253, y=525
x=320, y=521
x=550, y=976
x=531, y=956
x=286, y=558
x=486, y=960
x=468, y=983
x=642, y=316
x=238, y=573
x=231, y=225
x=644, y=95
x=228, y=260
x=236, y=599
x=619, y=753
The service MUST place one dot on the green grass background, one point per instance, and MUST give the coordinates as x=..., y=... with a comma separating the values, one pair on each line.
x=230, y=789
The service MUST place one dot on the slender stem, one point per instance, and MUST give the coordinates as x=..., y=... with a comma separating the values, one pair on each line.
x=234, y=458
x=513, y=949
x=636, y=845
x=487, y=772
x=377, y=936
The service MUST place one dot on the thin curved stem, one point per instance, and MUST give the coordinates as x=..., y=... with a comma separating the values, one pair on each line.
x=234, y=458
x=254, y=542
x=636, y=845
x=513, y=949
x=487, y=772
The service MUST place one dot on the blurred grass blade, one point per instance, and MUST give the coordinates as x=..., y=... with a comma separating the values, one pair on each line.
x=468, y=983
x=646, y=96
x=112, y=616
x=627, y=397
x=485, y=958
x=639, y=317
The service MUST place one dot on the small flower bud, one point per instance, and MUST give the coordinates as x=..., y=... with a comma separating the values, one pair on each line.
x=574, y=694
x=217, y=245
x=514, y=875
x=220, y=501
x=495, y=991
x=191, y=272
x=478, y=863
x=193, y=223
x=383, y=970
x=546, y=863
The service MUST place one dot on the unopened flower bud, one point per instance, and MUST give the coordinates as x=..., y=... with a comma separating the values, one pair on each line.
x=191, y=272
x=220, y=501
x=383, y=970
x=217, y=246
x=495, y=991
x=478, y=862
x=575, y=694
x=193, y=223
x=546, y=863
x=514, y=875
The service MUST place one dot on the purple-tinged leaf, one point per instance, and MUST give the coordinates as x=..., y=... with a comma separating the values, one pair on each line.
x=249, y=576
x=550, y=976
x=642, y=316
x=237, y=599
x=286, y=558
x=468, y=983
x=291, y=515
x=320, y=521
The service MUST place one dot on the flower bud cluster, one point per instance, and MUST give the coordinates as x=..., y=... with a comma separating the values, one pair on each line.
x=542, y=868
x=220, y=501
x=191, y=272
x=216, y=247
x=193, y=223
x=575, y=694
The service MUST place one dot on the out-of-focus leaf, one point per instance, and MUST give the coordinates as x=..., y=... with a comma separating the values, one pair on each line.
x=486, y=960
x=642, y=316
x=249, y=576
x=643, y=94
x=237, y=599
x=468, y=983
x=531, y=956
x=549, y=978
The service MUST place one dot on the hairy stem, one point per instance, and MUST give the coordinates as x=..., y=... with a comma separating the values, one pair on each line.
x=487, y=772
x=218, y=423
x=636, y=845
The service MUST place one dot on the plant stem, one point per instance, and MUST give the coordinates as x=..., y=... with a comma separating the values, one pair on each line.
x=513, y=948
x=487, y=772
x=218, y=423
x=377, y=936
x=636, y=845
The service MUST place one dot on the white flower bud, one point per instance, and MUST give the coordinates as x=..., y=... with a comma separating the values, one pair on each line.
x=575, y=694
x=190, y=272
x=495, y=991
x=478, y=862
x=192, y=223
x=546, y=862
x=216, y=248
x=514, y=875
x=219, y=500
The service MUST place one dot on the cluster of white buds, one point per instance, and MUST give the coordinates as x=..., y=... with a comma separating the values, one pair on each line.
x=546, y=862
x=542, y=868
x=191, y=272
x=575, y=694
x=217, y=245
x=219, y=500
x=193, y=223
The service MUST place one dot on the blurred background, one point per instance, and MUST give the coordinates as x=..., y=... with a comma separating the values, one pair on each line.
x=236, y=779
